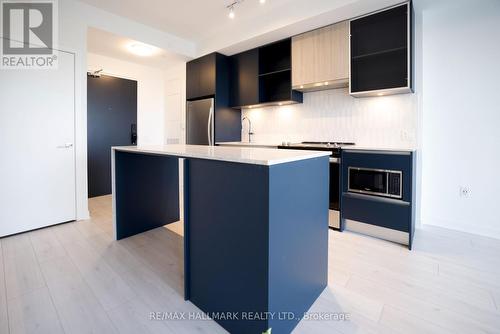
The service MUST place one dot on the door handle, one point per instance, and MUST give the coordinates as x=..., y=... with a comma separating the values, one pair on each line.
x=67, y=145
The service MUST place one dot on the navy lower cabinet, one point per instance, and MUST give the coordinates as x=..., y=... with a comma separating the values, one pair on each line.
x=256, y=241
x=390, y=211
x=146, y=192
x=255, y=235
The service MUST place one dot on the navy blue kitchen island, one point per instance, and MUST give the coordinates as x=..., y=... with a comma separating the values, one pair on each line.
x=255, y=226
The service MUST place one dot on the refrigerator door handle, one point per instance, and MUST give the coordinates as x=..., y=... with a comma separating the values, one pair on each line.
x=212, y=119
x=209, y=128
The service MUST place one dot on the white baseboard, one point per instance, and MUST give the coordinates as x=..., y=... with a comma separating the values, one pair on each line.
x=83, y=215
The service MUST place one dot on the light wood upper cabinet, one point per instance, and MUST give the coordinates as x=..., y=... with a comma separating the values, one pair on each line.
x=320, y=58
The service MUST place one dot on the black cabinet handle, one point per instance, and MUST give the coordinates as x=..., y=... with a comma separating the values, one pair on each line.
x=133, y=134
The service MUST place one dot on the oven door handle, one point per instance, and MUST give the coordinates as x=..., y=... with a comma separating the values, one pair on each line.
x=335, y=160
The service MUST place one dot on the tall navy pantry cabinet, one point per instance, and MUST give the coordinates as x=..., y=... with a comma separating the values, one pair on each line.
x=209, y=77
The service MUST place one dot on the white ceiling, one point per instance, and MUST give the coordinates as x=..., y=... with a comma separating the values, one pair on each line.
x=114, y=46
x=206, y=22
x=194, y=20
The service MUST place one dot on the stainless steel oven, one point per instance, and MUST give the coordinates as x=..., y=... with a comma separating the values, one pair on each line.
x=335, y=149
x=334, y=207
x=376, y=182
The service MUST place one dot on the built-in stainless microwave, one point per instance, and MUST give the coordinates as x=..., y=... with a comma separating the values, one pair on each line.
x=377, y=182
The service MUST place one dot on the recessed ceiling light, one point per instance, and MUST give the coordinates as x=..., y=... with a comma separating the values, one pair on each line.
x=380, y=94
x=262, y=1
x=231, y=12
x=141, y=49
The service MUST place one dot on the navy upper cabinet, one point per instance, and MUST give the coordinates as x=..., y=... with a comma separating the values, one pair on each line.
x=263, y=76
x=209, y=76
x=275, y=74
x=201, y=77
x=381, y=49
x=245, y=78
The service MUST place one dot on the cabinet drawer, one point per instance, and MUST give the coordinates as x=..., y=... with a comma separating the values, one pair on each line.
x=379, y=211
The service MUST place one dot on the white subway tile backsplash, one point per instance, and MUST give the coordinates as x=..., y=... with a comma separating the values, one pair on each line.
x=333, y=115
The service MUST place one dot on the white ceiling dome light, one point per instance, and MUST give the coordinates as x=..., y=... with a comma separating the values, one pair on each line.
x=141, y=49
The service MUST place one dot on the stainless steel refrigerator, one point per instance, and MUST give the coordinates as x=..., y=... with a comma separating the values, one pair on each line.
x=200, y=122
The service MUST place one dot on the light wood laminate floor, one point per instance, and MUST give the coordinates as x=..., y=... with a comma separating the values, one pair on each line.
x=73, y=278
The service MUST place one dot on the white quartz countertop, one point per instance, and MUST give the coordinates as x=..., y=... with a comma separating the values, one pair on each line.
x=354, y=147
x=371, y=148
x=247, y=144
x=248, y=155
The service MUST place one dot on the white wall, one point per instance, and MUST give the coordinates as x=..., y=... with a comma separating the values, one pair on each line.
x=333, y=115
x=461, y=115
x=74, y=19
x=452, y=120
x=150, y=94
x=456, y=119
x=175, y=104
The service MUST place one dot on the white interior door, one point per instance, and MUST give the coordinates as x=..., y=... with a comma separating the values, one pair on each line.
x=37, y=160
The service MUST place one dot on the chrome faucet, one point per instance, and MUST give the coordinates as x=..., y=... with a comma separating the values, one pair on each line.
x=250, y=133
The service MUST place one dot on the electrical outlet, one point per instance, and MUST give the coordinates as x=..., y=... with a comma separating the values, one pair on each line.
x=406, y=136
x=464, y=191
